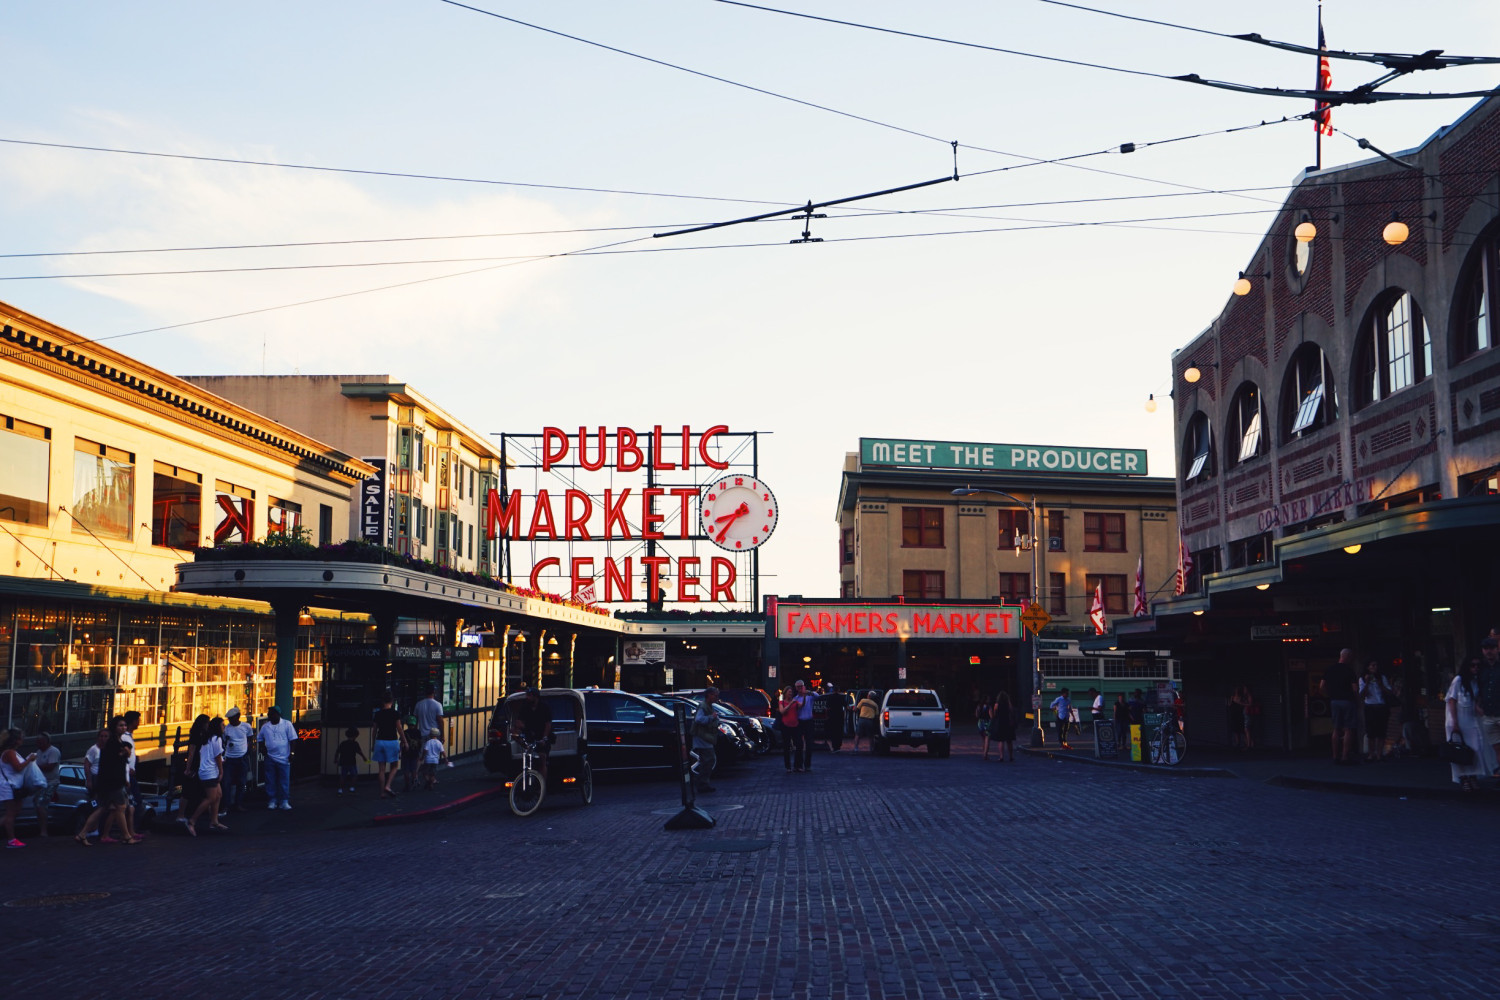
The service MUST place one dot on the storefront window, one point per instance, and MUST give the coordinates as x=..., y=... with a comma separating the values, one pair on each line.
x=283, y=517
x=236, y=511
x=176, y=507
x=25, y=458
x=103, y=490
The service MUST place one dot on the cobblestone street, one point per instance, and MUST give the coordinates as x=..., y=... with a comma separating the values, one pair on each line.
x=868, y=878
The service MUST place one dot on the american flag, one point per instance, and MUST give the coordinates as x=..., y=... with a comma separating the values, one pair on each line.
x=1096, y=610
x=1141, y=610
x=1324, y=113
x=1184, y=565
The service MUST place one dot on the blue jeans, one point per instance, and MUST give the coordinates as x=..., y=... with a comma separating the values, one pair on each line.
x=278, y=779
x=235, y=771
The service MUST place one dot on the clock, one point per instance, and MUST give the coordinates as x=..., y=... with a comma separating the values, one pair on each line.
x=737, y=513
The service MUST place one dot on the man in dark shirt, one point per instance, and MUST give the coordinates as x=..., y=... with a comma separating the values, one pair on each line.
x=1338, y=687
x=533, y=719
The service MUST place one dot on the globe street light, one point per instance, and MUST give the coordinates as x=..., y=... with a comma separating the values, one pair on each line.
x=1036, y=675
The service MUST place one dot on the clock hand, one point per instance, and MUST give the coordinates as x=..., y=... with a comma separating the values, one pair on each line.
x=743, y=508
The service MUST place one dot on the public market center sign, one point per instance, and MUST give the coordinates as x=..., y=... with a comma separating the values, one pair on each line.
x=967, y=456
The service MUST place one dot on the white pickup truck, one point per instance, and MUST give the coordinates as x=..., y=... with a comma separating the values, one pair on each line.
x=914, y=717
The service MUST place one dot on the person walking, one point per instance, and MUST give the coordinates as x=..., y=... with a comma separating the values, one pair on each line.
x=1122, y=725
x=864, y=723
x=1062, y=707
x=1339, y=688
x=208, y=756
x=1003, y=721
x=276, y=738
x=1234, y=720
x=387, y=744
x=1376, y=698
x=1251, y=708
x=433, y=755
x=837, y=708
x=237, y=738
x=1462, y=721
x=983, y=712
x=347, y=756
x=12, y=766
x=49, y=762
x=791, y=731
x=113, y=785
x=192, y=785
x=429, y=711
x=805, y=723
x=91, y=785
x=705, y=741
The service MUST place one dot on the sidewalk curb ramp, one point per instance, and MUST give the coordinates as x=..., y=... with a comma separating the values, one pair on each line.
x=1181, y=772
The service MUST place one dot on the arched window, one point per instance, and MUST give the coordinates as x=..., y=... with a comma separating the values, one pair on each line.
x=1198, y=450
x=1394, y=349
x=1478, y=326
x=1308, y=397
x=1242, y=436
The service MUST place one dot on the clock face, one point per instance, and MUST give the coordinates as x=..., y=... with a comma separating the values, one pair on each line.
x=738, y=513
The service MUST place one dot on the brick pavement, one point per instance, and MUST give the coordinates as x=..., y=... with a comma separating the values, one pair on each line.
x=879, y=878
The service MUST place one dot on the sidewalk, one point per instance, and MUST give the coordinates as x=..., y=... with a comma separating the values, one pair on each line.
x=318, y=805
x=1409, y=777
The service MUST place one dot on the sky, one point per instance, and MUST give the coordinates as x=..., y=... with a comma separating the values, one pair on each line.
x=961, y=311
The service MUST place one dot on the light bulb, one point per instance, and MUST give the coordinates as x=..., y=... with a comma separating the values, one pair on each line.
x=1305, y=232
x=1242, y=286
x=1395, y=232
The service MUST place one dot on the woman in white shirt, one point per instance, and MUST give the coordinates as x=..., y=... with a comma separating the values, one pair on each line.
x=209, y=760
x=1463, y=721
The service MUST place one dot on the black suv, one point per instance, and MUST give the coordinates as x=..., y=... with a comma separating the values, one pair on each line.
x=630, y=732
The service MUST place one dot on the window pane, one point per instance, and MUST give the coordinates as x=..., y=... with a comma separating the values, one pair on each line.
x=1398, y=335
x=175, y=511
x=103, y=492
x=25, y=458
x=1307, y=413
x=1057, y=597
x=1250, y=444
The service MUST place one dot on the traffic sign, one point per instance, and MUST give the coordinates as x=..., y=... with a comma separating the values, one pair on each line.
x=1035, y=618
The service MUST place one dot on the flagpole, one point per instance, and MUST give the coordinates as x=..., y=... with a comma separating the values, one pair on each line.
x=1317, y=119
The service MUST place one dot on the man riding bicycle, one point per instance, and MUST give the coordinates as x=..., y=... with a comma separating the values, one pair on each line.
x=533, y=719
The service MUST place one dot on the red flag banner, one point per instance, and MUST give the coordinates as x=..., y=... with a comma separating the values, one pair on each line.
x=1140, y=611
x=1323, y=118
x=1096, y=610
x=1184, y=565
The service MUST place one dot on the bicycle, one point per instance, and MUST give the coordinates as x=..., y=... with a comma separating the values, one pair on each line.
x=1170, y=746
x=528, y=788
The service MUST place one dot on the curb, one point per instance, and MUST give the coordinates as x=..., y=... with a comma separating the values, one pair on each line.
x=439, y=811
x=1381, y=791
x=1182, y=772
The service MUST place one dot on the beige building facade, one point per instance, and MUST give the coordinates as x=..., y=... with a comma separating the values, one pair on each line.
x=111, y=474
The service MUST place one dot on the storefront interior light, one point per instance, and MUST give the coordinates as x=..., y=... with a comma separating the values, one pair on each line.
x=1262, y=586
x=1353, y=550
x=1438, y=611
x=1197, y=612
x=305, y=618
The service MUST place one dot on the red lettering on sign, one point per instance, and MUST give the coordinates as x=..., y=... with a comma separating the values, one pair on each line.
x=614, y=581
x=577, y=525
x=726, y=587
x=577, y=577
x=536, y=571
x=843, y=623
x=625, y=444
x=656, y=452
x=971, y=623
x=554, y=447
x=703, y=441
x=809, y=624
x=921, y=623
x=989, y=623
x=595, y=464
x=236, y=519
x=686, y=579
x=541, y=517
x=654, y=566
x=1005, y=617
x=503, y=519
x=791, y=620
x=649, y=518
x=684, y=497
x=614, y=514
x=892, y=622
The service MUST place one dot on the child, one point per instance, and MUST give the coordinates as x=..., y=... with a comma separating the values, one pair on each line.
x=411, y=752
x=432, y=756
x=346, y=753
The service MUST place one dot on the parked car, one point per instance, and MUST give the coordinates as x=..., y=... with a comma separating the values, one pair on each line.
x=734, y=744
x=630, y=732
x=914, y=717
x=752, y=701
x=757, y=728
x=71, y=805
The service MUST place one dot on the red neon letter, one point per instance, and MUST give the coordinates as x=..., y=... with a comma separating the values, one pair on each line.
x=583, y=450
x=684, y=495
x=579, y=522
x=554, y=447
x=653, y=566
x=613, y=580
x=614, y=513
x=581, y=562
x=656, y=449
x=541, y=518
x=536, y=571
x=687, y=447
x=503, y=519
x=625, y=444
x=686, y=579
x=725, y=587
x=712, y=432
x=649, y=518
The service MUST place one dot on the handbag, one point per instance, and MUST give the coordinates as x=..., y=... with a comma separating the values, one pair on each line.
x=1456, y=751
x=32, y=779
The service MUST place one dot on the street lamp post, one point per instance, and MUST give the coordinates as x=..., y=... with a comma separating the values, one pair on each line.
x=1036, y=676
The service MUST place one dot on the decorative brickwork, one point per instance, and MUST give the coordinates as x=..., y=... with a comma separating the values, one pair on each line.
x=1467, y=166
x=1368, y=204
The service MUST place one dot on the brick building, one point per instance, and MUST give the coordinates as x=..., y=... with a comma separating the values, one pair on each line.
x=1338, y=430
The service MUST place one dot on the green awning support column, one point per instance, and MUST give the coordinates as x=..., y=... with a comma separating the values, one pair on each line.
x=287, y=631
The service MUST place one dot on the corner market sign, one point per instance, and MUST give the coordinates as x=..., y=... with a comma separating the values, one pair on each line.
x=1000, y=457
